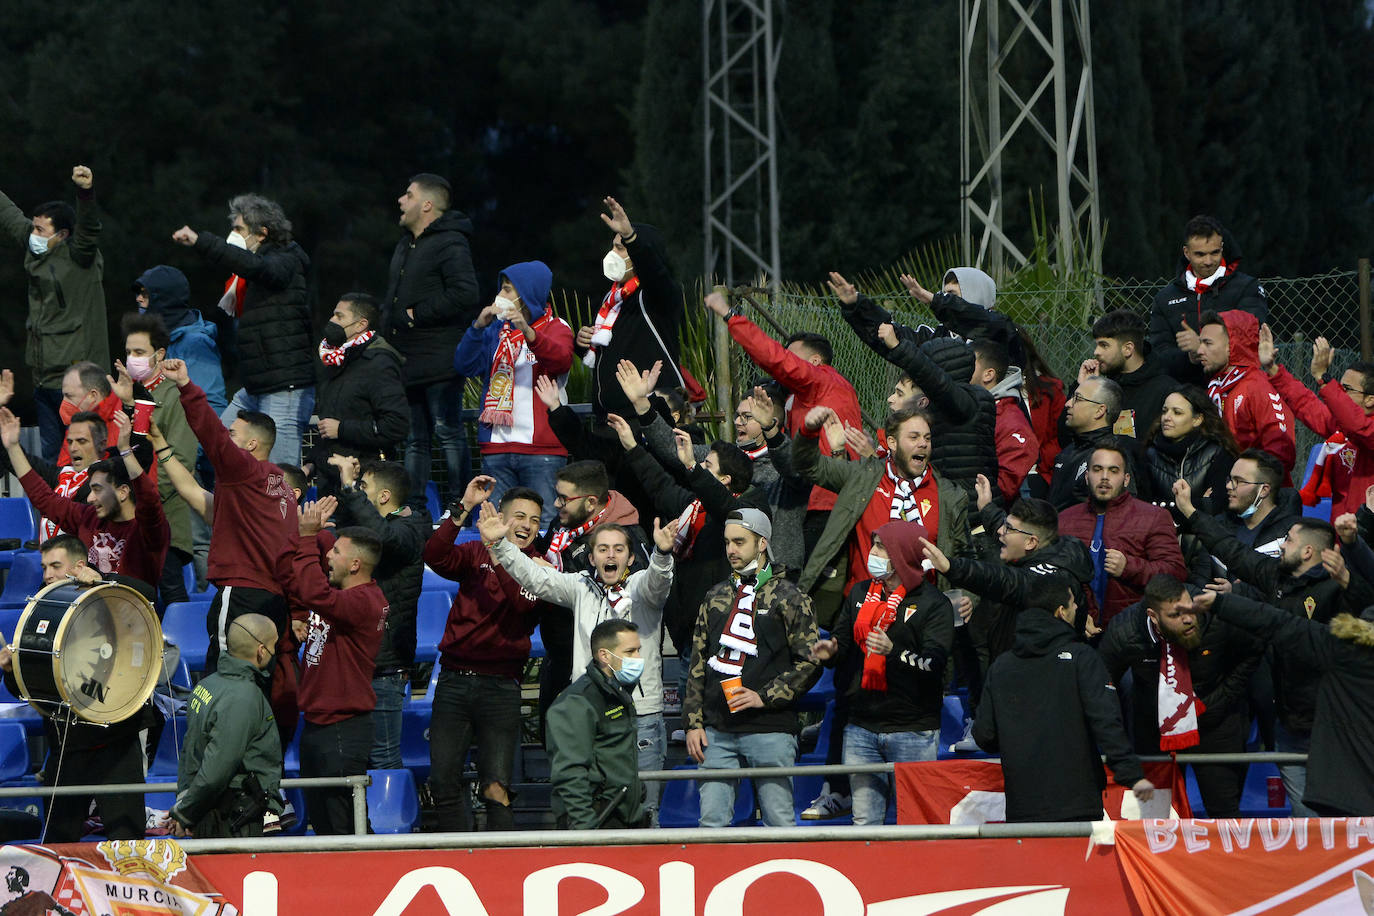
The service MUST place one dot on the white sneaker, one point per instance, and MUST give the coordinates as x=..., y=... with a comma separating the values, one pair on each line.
x=966, y=744
x=826, y=806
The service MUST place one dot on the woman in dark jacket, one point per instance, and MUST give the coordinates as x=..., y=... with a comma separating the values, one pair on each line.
x=1190, y=441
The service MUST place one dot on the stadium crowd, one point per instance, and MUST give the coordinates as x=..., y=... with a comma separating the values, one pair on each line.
x=1117, y=566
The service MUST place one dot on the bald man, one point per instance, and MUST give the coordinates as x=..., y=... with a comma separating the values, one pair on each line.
x=232, y=758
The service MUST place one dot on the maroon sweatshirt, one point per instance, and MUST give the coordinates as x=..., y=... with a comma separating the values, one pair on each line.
x=255, y=527
x=491, y=620
x=346, y=626
x=136, y=548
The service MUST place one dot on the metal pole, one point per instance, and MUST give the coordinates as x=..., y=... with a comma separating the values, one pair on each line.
x=708, y=263
x=993, y=262
x=1061, y=136
x=360, y=785
x=965, y=156
x=721, y=348
x=1366, y=337
x=771, y=56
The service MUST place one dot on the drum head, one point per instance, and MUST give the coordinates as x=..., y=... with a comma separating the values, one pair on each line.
x=102, y=655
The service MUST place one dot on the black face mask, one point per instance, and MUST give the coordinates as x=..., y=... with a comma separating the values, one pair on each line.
x=334, y=334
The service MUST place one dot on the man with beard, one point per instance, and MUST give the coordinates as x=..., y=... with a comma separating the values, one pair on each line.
x=902, y=486
x=1130, y=540
x=584, y=500
x=1088, y=419
x=121, y=519
x=1259, y=510
x=482, y=657
x=607, y=589
x=1119, y=354
x=1228, y=351
x=1210, y=281
x=754, y=633
x=1308, y=579
x=1189, y=677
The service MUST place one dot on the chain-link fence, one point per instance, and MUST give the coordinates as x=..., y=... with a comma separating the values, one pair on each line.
x=1063, y=336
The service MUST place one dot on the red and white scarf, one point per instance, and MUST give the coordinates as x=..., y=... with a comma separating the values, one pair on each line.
x=69, y=480
x=606, y=317
x=498, y=407
x=333, y=357
x=1318, y=486
x=689, y=525
x=875, y=614
x=737, y=640
x=756, y=453
x=1201, y=286
x=1179, y=707
x=565, y=536
x=617, y=596
x=905, y=507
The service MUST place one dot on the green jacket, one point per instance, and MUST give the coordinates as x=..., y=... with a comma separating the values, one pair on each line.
x=855, y=482
x=66, y=322
x=593, y=744
x=229, y=734
x=171, y=422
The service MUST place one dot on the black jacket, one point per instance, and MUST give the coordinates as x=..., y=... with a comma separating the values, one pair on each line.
x=1314, y=595
x=1142, y=398
x=433, y=276
x=647, y=329
x=1273, y=528
x=1221, y=666
x=1340, y=763
x=922, y=639
x=964, y=434
x=276, y=346
x=1002, y=586
x=1069, y=487
x=1048, y=707
x=400, y=572
x=367, y=397
x=1204, y=463
x=1175, y=302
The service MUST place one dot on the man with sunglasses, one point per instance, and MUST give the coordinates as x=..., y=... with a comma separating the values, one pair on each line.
x=1088, y=419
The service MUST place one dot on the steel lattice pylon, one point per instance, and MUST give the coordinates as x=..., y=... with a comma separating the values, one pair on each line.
x=740, y=48
x=1069, y=132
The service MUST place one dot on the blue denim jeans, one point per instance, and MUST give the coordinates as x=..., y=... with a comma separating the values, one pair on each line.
x=653, y=751
x=467, y=708
x=870, y=791
x=538, y=472
x=436, y=416
x=290, y=410
x=1294, y=775
x=391, y=692
x=730, y=751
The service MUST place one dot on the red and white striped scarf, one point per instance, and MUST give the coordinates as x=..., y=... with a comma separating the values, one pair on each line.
x=69, y=480
x=904, y=505
x=1179, y=707
x=737, y=640
x=498, y=407
x=689, y=525
x=565, y=536
x=755, y=453
x=333, y=357
x=875, y=614
x=606, y=317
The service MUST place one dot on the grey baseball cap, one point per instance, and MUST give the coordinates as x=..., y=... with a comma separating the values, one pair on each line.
x=755, y=520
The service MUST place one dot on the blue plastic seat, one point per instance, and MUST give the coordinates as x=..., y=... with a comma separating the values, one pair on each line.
x=415, y=719
x=14, y=752
x=25, y=577
x=164, y=765
x=17, y=520
x=431, y=616
x=536, y=644
x=822, y=693
x=433, y=582
x=680, y=805
x=432, y=503
x=183, y=624
x=392, y=803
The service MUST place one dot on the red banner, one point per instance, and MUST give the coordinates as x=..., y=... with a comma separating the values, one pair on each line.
x=897, y=878
x=1250, y=865
x=971, y=792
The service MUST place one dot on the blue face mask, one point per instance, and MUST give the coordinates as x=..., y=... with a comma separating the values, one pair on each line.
x=630, y=670
x=38, y=244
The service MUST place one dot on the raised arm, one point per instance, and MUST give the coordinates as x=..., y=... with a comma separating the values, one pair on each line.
x=541, y=581
x=183, y=481
x=231, y=463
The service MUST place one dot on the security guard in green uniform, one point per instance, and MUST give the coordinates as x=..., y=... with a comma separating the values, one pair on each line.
x=593, y=740
x=231, y=760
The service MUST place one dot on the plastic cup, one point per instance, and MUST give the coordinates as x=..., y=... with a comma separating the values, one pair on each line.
x=731, y=686
x=143, y=416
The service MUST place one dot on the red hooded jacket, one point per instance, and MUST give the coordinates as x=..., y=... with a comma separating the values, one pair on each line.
x=1247, y=401
x=1351, y=469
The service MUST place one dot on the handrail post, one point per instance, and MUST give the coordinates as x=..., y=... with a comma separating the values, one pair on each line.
x=360, y=784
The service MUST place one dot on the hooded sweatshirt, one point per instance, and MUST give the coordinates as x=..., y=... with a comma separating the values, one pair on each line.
x=1247, y=401
x=975, y=286
x=1017, y=445
x=193, y=338
x=549, y=354
x=922, y=637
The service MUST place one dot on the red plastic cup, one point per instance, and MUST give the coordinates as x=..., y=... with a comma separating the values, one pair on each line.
x=143, y=416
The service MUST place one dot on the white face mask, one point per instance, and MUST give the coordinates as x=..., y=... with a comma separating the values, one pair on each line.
x=38, y=244
x=614, y=266
x=233, y=238
x=879, y=567
x=506, y=309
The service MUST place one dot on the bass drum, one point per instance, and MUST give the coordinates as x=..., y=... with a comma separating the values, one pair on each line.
x=96, y=649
